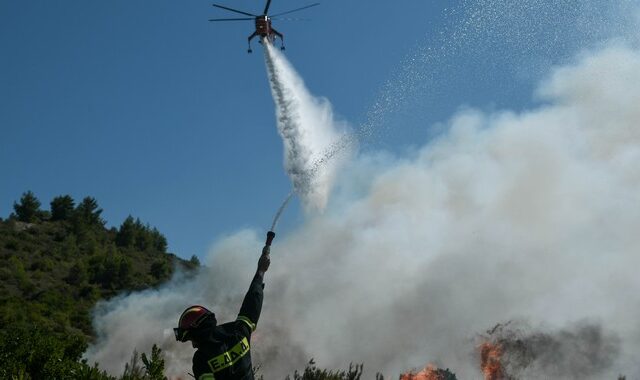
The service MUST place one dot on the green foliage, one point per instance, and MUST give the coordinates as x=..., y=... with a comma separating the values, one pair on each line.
x=88, y=212
x=77, y=274
x=155, y=366
x=28, y=210
x=160, y=269
x=111, y=271
x=126, y=236
x=311, y=372
x=86, y=372
x=21, y=278
x=86, y=221
x=53, y=270
x=21, y=374
x=62, y=208
x=31, y=352
x=133, y=370
x=194, y=261
x=133, y=234
x=69, y=246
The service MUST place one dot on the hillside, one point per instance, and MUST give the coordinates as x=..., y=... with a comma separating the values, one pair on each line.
x=55, y=265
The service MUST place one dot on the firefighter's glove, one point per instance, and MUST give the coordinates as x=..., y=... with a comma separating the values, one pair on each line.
x=264, y=261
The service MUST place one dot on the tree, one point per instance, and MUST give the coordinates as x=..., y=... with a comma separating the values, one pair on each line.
x=133, y=370
x=62, y=207
x=155, y=366
x=159, y=241
x=133, y=233
x=88, y=212
x=126, y=235
x=77, y=274
x=144, y=239
x=160, y=270
x=111, y=271
x=28, y=210
x=39, y=353
x=194, y=261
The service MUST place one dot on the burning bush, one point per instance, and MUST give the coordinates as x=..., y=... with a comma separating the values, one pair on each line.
x=508, y=352
x=431, y=372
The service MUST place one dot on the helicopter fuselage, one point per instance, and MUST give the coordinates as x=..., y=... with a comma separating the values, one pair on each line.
x=263, y=26
x=265, y=31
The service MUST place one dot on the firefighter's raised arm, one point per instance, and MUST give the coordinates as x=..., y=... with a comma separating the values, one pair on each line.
x=252, y=303
x=264, y=261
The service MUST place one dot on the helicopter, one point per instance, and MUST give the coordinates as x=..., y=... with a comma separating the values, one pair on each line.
x=263, y=22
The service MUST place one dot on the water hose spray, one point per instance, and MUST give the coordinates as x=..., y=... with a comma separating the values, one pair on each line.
x=271, y=234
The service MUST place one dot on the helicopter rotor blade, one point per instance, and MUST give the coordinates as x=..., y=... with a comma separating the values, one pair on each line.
x=290, y=19
x=234, y=10
x=231, y=19
x=295, y=10
x=266, y=7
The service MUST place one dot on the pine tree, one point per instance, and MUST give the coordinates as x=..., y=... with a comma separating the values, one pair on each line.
x=62, y=207
x=126, y=235
x=28, y=210
x=88, y=212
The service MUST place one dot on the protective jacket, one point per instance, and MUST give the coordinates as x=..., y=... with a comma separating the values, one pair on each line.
x=225, y=354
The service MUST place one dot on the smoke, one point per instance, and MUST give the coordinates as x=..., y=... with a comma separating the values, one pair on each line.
x=531, y=215
x=515, y=351
x=528, y=216
x=308, y=129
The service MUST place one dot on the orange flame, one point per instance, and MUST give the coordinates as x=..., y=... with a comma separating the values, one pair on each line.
x=491, y=361
x=429, y=373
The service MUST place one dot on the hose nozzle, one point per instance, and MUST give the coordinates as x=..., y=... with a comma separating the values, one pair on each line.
x=270, y=236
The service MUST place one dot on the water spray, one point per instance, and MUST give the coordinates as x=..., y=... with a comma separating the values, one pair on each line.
x=280, y=210
x=310, y=132
x=310, y=135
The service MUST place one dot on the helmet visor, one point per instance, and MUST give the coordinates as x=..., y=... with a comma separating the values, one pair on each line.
x=181, y=334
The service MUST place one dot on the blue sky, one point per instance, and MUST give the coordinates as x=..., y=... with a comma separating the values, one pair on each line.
x=160, y=114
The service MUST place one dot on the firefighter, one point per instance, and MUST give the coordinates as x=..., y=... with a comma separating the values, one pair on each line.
x=223, y=351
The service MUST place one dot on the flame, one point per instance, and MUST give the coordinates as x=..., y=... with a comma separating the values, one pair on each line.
x=429, y=373
x=491, y=361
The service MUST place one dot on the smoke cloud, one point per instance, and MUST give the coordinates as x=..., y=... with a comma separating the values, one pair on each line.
x=529, y=216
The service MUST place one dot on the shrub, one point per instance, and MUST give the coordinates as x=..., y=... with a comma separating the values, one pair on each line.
x=27, y=351
x=311, y=372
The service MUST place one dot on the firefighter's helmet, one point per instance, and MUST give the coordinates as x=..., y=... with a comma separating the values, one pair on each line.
x=192, y=319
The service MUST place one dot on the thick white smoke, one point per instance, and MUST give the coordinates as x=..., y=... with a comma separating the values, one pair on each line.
x=531, y=216
x=308, y=129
